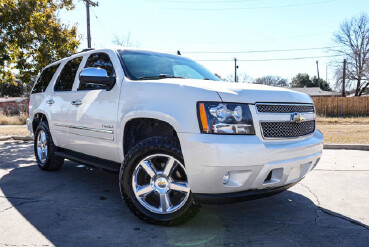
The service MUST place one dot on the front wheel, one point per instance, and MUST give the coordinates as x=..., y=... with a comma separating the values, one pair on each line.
x=154, y=184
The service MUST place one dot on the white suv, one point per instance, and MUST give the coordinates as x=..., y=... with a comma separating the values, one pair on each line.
x=177, y=135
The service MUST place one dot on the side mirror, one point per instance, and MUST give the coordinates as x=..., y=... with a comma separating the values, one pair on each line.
x=96, y=76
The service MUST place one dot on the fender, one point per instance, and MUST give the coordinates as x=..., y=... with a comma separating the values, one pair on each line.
x=143, y=114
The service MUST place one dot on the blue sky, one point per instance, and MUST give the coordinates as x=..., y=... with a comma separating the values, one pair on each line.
x=227, y=26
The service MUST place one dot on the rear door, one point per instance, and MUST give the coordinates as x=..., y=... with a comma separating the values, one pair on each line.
x=60, y=102
x=93, y=117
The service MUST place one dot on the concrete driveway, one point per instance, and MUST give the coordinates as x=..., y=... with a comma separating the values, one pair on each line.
x=79, y=206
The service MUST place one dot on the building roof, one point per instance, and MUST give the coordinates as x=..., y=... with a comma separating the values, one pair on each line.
x=315, y=91
x=11, y=99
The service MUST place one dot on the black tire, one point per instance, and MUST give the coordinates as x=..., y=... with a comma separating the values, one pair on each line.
x=52, y=162
x=154, y=145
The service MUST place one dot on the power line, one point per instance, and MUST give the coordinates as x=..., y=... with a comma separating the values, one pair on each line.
x=205, y=2
x=266, y=60
x=260, y=7
x=261, y=40
x=261, y=51
x=98, y=20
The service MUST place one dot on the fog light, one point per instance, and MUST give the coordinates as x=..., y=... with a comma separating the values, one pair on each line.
x=226, y=178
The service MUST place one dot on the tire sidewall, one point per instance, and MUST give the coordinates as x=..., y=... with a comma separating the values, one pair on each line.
x=126, y=174
x=43, y=126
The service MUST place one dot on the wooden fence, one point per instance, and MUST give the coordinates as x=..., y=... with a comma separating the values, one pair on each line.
x=342, y=106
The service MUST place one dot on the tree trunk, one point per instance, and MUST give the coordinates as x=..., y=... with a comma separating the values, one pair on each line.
x=363, y=89
x=358, y=87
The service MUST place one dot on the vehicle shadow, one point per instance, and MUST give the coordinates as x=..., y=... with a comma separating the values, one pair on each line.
x=82, y=206
x=14, y=153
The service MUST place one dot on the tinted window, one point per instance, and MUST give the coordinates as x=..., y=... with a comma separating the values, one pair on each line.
x=141, y=65
x=66, y=78
x=44, y=79
x=98, y=60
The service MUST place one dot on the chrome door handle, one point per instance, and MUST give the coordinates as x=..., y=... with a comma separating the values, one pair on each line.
x=50, y=102
x=76, y=102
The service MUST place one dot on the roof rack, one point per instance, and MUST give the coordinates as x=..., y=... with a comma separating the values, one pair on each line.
x=88, y=49
x=84, y=50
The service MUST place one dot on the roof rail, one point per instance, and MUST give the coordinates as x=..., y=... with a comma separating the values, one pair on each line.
x=88, y=49
x=84, y=50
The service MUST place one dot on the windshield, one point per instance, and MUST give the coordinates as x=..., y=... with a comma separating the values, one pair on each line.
x=141, y=65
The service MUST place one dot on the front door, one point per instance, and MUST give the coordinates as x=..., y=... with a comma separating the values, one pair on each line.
x=93, y=114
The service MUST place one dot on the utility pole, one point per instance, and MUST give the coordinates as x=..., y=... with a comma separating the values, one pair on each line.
x=235, y=70
x=93, y=4
x=344, y=79
x=317, y=68
x=326, y=73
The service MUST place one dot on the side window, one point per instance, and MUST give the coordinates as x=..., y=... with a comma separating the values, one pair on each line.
x=98, y=60
x=66, y=78
x=44, y=79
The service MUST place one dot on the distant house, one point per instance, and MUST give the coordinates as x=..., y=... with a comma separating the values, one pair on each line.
x=13, y=103
x=315, y=92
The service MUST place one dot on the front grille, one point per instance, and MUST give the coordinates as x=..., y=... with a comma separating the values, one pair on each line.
x=287, y=129
x=284, y=108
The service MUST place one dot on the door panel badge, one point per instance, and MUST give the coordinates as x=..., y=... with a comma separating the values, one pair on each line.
x=107, y=126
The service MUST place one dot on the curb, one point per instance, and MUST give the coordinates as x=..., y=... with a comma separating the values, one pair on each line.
x=347, y=146
x=22, y=138
x=16, y=138
x=5, y=138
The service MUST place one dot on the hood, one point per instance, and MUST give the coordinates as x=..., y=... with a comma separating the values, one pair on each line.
x=244, y=92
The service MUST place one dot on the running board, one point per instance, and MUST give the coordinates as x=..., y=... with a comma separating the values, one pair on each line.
x=88, y=160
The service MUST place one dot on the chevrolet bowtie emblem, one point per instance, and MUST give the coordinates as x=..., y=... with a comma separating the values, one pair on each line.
x=297, y=117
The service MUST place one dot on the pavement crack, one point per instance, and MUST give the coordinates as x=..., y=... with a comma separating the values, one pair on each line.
x=275, y=229
x=316, y=197
x=16, y=205
x=354, y=222
x=48, y=191
x=327, y=212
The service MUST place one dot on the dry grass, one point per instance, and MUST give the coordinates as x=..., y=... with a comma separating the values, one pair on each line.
x=342, y=120
x=345, y=134
x=354, y=130
x=13, y=120
x=13, y=130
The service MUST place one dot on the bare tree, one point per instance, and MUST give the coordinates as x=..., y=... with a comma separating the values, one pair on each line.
x=125, y=40
x=242, y=78
x=271, y=80
x=353, y=37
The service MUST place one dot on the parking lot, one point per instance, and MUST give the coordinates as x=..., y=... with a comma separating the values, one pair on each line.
x=82, y=206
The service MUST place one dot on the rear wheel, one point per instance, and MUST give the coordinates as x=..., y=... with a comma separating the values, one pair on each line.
x=154, y=183
x=45, y=149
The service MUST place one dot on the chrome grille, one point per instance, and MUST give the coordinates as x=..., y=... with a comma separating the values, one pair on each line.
x=284, y=108
x=287, y=129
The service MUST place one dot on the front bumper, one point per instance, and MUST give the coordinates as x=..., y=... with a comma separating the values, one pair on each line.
x=253, y=163
x=226, y=198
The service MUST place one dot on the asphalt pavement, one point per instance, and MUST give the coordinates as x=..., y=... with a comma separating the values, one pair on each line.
x=80, y=206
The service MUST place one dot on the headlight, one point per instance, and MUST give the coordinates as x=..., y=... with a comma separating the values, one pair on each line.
x=225, y=118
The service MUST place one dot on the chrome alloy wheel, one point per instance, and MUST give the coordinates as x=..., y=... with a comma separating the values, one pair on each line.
x=160, y=184
x=42, y=146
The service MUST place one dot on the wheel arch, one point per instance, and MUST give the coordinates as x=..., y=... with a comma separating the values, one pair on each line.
x=161, y=124
x=39, y=117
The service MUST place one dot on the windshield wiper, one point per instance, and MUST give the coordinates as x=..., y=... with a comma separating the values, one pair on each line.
x=161, y=76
